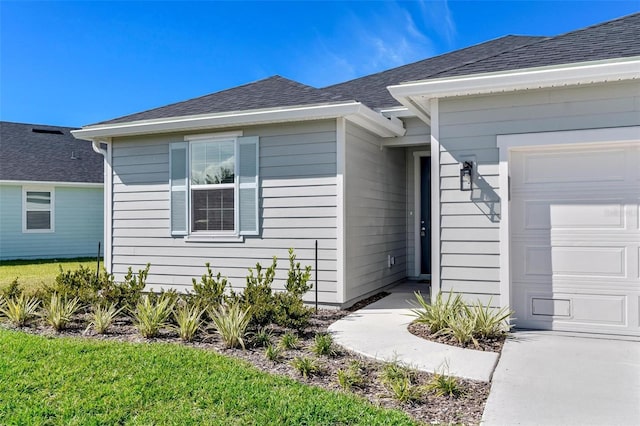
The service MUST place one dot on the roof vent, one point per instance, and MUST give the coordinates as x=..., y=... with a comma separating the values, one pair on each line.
x=47, y=131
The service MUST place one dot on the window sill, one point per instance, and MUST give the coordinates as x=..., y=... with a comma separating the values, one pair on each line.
x=214, y=239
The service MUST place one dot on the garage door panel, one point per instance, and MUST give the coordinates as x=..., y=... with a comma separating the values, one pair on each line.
x=564, y=166
x=575, y=238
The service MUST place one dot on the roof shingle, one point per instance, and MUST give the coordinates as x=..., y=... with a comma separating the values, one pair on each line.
x=46, y=156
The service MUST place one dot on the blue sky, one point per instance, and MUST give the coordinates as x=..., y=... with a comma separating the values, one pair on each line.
x=76, y=63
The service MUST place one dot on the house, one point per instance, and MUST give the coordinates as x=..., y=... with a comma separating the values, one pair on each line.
x=505, y=172
x=51, y=197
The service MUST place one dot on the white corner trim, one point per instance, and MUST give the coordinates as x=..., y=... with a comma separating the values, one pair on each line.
x=56, y=184
x=341, y=252
x=511, y=142
x=108, y=209
x=415, y=95
x=356, y=111
x=435, y=199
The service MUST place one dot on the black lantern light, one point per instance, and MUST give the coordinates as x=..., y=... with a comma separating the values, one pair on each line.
x=465, y=176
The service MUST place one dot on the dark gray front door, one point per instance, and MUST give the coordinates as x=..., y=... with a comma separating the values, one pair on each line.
x=425, y=215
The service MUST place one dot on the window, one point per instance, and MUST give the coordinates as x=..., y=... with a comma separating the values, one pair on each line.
x=214, y=186
x=37, y=213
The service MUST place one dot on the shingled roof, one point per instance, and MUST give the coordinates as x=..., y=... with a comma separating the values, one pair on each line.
x=372, y=89
x=619, y=38
x=270, y=92
x=31, y=152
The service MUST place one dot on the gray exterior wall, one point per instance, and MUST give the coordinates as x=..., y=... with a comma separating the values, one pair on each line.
x=297, y=202
x=78, y=217
x=468, y=128
x=375, y=213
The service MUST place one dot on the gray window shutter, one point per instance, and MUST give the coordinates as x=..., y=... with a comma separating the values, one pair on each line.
x=248, y=170
x=179, y=187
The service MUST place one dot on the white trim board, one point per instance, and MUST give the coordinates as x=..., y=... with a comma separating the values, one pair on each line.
x=341, y=252
x=52, y=183
x=355, y=112
x=435, y=198
x=511, y=142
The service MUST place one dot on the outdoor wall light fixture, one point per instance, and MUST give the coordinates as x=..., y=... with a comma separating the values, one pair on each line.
x=465, y=176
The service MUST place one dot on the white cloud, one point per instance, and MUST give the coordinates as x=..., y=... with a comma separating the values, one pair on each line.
x=437, y=15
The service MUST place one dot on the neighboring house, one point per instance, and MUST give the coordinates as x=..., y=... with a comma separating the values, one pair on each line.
x=51, y=196
x=506, y=172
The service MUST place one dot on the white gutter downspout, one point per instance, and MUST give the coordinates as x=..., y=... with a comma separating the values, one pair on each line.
x=108, y=197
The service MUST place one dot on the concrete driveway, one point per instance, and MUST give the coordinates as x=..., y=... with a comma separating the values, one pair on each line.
x=554, y=379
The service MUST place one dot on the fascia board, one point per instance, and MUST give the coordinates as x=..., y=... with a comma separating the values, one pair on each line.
x=239, y=118
x=52, y=183
x=415, y=95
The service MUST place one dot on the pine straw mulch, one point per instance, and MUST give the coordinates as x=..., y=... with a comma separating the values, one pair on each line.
x=464, y=409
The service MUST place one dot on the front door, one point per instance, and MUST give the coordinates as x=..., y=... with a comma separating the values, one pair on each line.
x=425, y=215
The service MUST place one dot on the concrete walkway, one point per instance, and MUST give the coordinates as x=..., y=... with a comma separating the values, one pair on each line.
x=379, y=331
x=547, y=378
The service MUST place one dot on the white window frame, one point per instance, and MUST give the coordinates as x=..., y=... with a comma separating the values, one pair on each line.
x=204, y=138
x=51, y=191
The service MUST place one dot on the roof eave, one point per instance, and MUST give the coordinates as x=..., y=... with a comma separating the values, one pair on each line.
x=353, y=111
x=416, y=95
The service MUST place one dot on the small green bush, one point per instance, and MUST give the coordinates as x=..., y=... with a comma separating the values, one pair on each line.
x=461, y=328
x=231, y=323
x=323, y=345
x=489, y=323
x=290, y=311
x=59, y=310
x=209, y=292
x=273, y=353
x=393, y=371
x=188, y=320
x=437, y=314
x=19, y=310
x=297, y=280
x=403, y=390
x=102, y=317
x=126, y=294
x=289, y=341
x=352, y=376
x=12, y=291
x=306, y=366
x=258, y=296
x=262, y=337
x=150, y=317
x=443, y=384
x=80, y=283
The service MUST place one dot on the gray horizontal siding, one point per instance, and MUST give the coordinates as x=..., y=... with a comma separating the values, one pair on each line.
x=468, y=129
x=78, y=216
x=375, y=211
x=297, y=206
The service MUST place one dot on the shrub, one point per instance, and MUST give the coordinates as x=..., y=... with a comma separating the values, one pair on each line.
x=403, y=390
x=351, y=377
x=19, y=310
x=289, y=341
x=12, y=291
x=151, y=316
x=306, y=366
x=127, y=293
x=297, y=281
x=102, y=317
x=273, y=353
x=443, y=384
x=209, y=292
x=489, y=323
x=258, y=296
x=437, y=314
x=80, y=283
x=59, y=310
x=393, y=371
x=262, y=337
x=231, y=323
x=290, y=311
x=323, y=345
x=188, y=320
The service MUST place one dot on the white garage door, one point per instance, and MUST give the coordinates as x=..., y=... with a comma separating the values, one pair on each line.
x=575, y=238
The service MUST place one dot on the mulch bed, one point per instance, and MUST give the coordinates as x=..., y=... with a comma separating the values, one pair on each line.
x=489, y=345
x=464, y=409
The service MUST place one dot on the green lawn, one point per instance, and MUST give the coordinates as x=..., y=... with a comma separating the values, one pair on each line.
x=88, y=382
x=32, y=274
